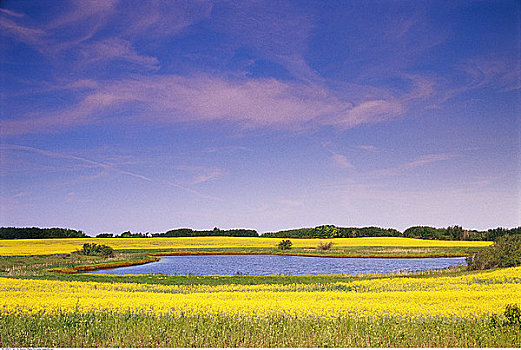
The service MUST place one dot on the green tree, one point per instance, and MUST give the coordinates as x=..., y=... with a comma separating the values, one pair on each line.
x=504, y=252
x=285, y=244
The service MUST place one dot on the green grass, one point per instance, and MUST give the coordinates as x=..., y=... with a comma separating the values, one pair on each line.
x=143, y=330
x=39, y=265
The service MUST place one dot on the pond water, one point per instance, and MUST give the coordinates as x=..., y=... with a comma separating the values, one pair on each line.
x=260, y=265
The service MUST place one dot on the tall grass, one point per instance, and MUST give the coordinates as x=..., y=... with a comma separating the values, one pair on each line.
x=107, y=329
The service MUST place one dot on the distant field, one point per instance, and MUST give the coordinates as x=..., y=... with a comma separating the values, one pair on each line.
x=68, y=245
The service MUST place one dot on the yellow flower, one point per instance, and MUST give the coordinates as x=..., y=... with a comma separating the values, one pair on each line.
x=67, y=245
x=469, y=295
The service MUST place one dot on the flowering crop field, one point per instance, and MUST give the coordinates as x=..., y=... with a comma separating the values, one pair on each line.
x=42, y=308
x=466, y=296
x=68, y=245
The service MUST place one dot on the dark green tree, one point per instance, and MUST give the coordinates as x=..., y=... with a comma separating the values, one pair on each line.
x=285, y=244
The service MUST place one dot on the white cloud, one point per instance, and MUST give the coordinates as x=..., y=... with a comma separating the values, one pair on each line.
x=250, y=103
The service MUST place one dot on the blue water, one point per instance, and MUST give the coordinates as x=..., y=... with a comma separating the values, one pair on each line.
x=260, y=265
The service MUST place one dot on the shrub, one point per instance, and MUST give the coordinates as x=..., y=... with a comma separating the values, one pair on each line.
x=504, y=252
x=324, y=245
x=285, y=244
x=97, y=249
x=513, y=315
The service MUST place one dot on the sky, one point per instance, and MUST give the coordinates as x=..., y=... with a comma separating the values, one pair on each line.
x=268, y=115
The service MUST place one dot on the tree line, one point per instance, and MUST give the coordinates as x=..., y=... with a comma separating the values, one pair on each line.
x=36, y=232
x=456, y=233
x=188, y=232
x=185, y=232
x=331, y=231
x=323, y=231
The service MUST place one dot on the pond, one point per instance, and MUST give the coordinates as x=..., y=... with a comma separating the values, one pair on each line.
x=260, y=265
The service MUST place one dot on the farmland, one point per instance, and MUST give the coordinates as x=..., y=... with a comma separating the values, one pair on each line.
x=453, y=308
x=223, y=244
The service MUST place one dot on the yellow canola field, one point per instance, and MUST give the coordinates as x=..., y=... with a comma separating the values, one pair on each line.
x=68, y=245
x=470, y=295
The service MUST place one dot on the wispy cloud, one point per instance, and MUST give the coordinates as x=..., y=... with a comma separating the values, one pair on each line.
x=496, y=72
x=102, y=165
x=115, y=49
x=7, y=147
x=342, y=161
x=307, y=102
x=339, y=160
x=368, y=147
x=291, y=203
x=264, y=26
x=226, y=149
x=162, y=19
x=202, y=174
x=22, y=33
x=250, y=103
x=12, y=203
x=209, y=175
x=72, y=197
x=11, y=13
x=413, y=164
x=75, y=34
x=370, y=112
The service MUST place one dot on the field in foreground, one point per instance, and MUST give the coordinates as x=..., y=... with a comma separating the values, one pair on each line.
x=452, y=308
x=439, y=310
x=144, y=330
x=466, y=295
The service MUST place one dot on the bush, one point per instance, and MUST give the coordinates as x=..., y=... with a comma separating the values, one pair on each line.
x=513, y=315
x=98, y=250
x=285, y=244
x=324, y=245
x=505, y=252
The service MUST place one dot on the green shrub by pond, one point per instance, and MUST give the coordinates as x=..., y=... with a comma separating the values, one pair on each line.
x=504, y=252
x=97, y=249
x=285, y=244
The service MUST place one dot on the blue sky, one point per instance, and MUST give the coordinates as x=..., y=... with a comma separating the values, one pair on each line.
x=153, y=115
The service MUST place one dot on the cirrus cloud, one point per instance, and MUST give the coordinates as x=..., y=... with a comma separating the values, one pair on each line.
x=252, y=103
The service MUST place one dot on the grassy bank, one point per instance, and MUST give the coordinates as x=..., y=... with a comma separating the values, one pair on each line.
x=44, y=265
x=145, y=330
